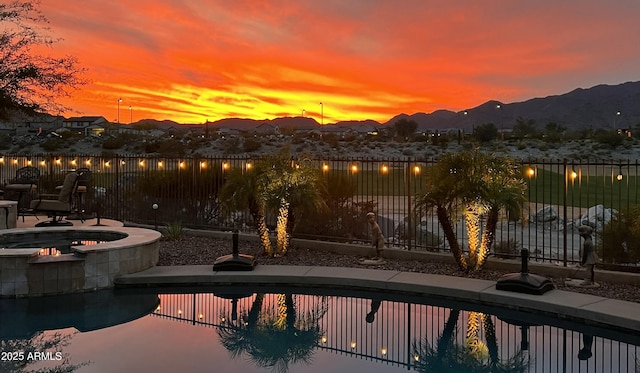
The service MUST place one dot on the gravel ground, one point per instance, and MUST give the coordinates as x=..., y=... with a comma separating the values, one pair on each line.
x=191, y=250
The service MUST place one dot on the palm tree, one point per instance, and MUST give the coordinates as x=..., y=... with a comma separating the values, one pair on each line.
x=280, y=183
x=443, y=194
x=473, y=356
x=291, y=188
x=277, y=336
x=474, y=185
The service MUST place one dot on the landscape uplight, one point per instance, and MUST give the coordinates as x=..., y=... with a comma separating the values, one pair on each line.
x=325, y=167
x=354, y=168
x=1, y=159
x=416, y=169
x=384, y=168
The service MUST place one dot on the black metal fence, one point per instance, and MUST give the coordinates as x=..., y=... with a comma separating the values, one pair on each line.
x=562, y=194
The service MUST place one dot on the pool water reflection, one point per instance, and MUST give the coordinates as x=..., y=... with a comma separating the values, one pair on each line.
x=282, y=331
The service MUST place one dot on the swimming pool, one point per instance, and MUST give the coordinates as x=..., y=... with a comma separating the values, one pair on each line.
x=278, y=329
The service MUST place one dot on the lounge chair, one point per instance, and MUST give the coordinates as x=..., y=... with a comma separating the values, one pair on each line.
x=59, y=205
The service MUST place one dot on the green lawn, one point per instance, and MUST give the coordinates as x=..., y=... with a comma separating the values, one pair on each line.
x=548, y=187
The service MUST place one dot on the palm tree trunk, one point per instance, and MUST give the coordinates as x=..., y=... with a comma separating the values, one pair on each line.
x=488, y=237
x=254, y=312
x=281, y=228
x=472, y=222
x=261, y=226
x=472, y=336
x=447, y=228
x=447, y=333
x=492, y=342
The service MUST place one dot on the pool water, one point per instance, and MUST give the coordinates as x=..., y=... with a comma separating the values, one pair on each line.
x=283, y=331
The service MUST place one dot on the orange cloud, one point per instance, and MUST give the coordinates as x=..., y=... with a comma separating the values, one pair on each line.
x=364, y=60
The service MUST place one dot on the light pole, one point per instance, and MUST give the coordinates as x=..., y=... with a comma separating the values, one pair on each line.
x=303, y=111
x=614, y=120
x=321, y=114
x=130, y=115
x=119, y=101
x=501, y=122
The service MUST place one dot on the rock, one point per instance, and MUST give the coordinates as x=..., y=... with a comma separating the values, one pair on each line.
x=597, y=217
x=545, y=214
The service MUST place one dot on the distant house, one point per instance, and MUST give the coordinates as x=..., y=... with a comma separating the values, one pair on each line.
x=88, y=124
x=40, y=125
x=266, y=129
x=225, y=131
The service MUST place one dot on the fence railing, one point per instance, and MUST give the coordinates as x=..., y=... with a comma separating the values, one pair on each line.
x=562, y=194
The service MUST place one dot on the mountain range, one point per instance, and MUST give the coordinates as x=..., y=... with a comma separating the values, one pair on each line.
x=601, y=106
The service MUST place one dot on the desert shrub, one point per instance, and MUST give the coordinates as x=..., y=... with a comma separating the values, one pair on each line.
x=5, y=141
x=611, y=139
x=620, y=238
x=343, y=218
x=331, y=140
x=116, y=142
x=232, y=146
x=166, y=147
x=53, y=144
x=173, y=231
x=251, y=145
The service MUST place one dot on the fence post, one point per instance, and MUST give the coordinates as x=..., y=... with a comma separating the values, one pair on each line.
x=409, y=228
x=564, y=211
x=118, y=193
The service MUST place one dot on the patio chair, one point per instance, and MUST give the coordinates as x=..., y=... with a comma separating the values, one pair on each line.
x=84, y=178
x=56, y=206
x=25, y=182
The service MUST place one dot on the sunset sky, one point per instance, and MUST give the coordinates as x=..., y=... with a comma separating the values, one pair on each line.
x=192, y=61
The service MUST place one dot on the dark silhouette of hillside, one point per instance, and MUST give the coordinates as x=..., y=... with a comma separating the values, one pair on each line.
x=591, y=108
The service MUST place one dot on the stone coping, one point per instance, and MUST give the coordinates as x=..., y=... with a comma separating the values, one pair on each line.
x=131, y=237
